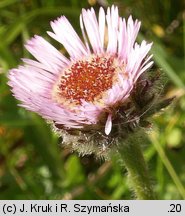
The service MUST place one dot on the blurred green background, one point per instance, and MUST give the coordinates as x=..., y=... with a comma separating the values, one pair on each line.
x=33, y=164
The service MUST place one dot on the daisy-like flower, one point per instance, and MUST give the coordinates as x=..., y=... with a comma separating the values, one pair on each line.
x=90, y=91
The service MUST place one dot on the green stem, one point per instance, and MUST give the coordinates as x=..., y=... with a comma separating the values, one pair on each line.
x=133, y=159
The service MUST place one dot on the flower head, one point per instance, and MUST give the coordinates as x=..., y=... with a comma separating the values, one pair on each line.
x=90, y=90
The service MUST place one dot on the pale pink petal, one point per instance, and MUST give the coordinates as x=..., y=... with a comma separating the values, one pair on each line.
x=127, y=35
x=102, y=25
x=108, y=125
x=136, y=57
x=68, y=37
x=84, y=35
x=42, y=51
x=92, y=29
x=112, y=18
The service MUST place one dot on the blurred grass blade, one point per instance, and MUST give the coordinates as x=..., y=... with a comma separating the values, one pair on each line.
x=5, y=3
x=17, y=27
x=160, y=59
x=7, y=55
x=160, y=56
x=168, y=164
x=183, y=17
x=40, y=135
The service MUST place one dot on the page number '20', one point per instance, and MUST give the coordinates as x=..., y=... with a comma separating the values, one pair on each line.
x=175, y=208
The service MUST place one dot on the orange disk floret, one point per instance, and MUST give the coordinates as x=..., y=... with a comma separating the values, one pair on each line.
x=87, y=79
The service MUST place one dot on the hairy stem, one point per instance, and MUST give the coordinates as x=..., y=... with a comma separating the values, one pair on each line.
x=133, y=159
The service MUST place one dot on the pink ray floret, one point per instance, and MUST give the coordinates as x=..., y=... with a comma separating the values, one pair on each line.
x=97, y=77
